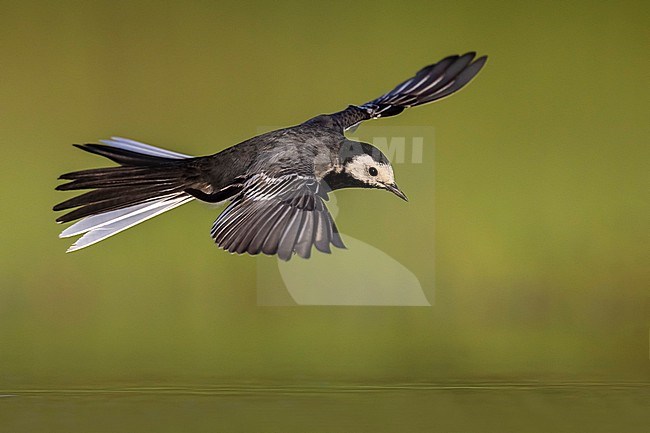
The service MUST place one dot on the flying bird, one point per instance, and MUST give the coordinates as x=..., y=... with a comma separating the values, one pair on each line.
x=276, y=183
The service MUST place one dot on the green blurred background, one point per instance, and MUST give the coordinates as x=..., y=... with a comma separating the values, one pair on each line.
x=534, y=198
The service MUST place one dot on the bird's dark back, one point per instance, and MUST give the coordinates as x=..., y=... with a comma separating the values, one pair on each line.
x=309, y=149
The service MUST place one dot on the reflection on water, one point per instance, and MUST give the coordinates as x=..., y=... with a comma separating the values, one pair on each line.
x=454, y=407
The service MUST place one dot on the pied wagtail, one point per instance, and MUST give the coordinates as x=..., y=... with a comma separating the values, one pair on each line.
x=276, y=183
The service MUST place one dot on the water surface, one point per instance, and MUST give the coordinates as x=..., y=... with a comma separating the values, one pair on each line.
x=481, y=407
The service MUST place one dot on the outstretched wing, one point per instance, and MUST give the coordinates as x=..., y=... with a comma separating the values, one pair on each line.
x=429, y=84
x=277, y=215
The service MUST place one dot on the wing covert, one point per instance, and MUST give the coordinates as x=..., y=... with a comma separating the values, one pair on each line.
x=277, y=215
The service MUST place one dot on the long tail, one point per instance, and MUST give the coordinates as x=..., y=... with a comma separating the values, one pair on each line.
x=148, y=182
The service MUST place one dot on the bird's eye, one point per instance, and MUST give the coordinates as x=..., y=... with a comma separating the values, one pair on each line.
x=373, y=171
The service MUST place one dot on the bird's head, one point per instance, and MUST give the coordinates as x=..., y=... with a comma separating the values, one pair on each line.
x=368, y=167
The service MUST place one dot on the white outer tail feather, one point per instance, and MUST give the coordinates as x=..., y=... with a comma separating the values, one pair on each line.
x=145, y=149
x=98, y=227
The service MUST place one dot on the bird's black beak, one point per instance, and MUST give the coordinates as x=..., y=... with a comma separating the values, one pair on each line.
x=395, y=190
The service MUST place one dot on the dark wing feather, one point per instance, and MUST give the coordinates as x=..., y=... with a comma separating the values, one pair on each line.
x=277, y=215
x=429, y=84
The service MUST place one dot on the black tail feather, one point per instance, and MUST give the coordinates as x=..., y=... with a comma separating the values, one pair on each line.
x=122, y=156
x=114, y=177
x=139, y=178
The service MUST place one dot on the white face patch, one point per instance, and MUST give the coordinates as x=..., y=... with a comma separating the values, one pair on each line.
x=361, y=168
